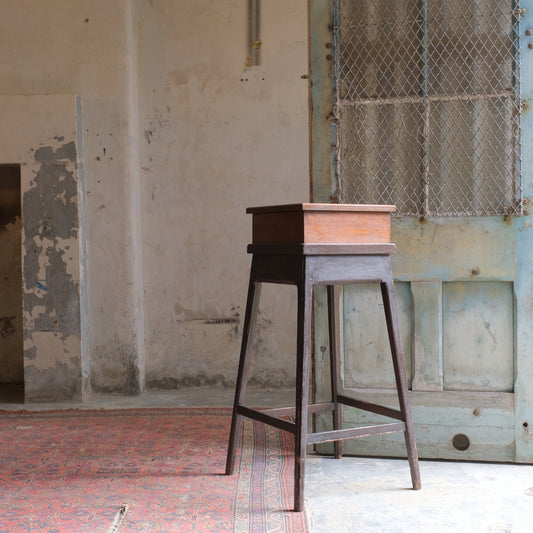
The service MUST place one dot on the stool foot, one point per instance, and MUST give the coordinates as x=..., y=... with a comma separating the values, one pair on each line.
x=337, y=448
x=412, y=455
x=233, y=437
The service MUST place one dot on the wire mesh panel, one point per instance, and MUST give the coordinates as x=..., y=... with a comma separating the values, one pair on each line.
x=427, y=112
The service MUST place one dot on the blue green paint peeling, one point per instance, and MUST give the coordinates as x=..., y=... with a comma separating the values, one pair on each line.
x=482, y=340
x=523, y=288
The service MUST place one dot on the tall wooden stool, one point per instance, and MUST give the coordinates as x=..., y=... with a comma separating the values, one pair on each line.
x=321, y=244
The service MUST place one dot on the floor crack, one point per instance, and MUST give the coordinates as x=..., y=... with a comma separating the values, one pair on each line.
x=119, y=517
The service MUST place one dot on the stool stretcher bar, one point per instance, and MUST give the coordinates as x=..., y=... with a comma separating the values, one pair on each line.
x=321, y=436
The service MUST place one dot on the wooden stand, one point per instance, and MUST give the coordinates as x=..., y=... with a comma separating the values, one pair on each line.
x=306, y=264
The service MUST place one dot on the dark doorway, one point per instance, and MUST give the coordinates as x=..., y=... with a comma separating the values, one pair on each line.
x=11, y=331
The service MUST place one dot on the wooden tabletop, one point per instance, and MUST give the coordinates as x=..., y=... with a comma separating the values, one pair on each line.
x=321, y=207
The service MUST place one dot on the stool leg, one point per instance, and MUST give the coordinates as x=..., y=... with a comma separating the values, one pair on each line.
x=252, y=304
x=303, y=349
x=334, y=361
x=389, y=302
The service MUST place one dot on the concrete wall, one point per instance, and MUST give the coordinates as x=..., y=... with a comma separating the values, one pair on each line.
x=216, y=138
x=172, y=138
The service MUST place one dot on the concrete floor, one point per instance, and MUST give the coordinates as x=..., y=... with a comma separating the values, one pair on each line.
x=359, y=495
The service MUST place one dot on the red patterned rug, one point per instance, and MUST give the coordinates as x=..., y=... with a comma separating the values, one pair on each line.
x=154, y=470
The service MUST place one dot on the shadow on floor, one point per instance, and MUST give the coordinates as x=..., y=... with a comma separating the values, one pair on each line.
x=11, y=392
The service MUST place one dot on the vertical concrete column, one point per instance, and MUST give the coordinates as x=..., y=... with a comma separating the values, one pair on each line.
x=82, y=236
x=111, y=148
x=134, y=196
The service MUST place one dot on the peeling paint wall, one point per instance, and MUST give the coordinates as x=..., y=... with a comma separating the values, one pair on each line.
x=50, y=301
x=51, y=275
x=134, y=200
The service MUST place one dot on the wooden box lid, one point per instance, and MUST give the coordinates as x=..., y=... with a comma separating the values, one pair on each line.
x=312, y=223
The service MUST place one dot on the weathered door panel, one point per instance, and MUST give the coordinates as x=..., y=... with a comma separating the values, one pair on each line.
x=426, y=353
x=367, y=360
x=465, y=299
x=477, y=343
x=458, y=248
x=487, y=419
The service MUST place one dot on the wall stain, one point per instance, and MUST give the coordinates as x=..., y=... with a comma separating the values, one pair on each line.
x=59, y=380
x=6, y=326
x=115, y=370
x=232, y=320
x=199, y=380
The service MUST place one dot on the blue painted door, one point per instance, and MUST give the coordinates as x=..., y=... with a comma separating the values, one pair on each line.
x=426, y=104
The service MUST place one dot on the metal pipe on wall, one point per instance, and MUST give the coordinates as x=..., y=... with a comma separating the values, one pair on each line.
x=254, y=40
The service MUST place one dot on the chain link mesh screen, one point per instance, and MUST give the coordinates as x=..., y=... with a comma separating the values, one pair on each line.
x=427, y=112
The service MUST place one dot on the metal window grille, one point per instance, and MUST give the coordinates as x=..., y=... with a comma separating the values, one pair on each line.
x=427, y=112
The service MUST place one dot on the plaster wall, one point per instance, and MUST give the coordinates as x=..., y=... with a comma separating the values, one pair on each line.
x=85, y=48
x=171, y=139
x=216, y=138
